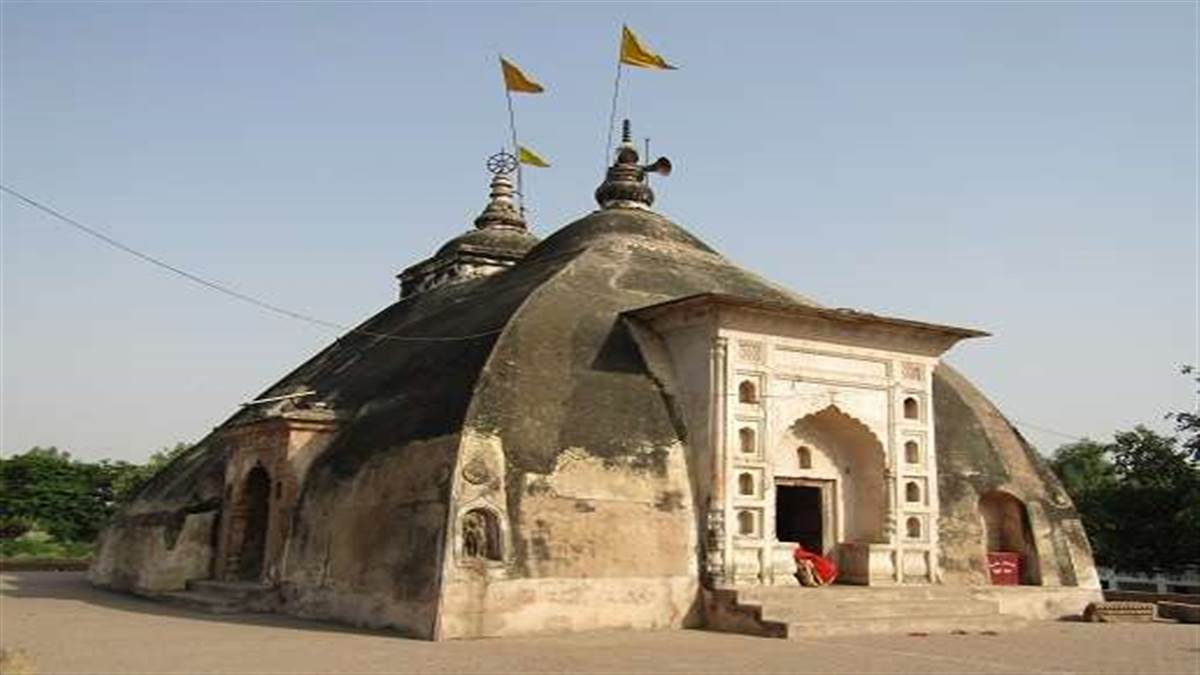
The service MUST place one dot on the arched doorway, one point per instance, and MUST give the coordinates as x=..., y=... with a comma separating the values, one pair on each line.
x=256, y=514
x=834, y=489
x=1006, y=529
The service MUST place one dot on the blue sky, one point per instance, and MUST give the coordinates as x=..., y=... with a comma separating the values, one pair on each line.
x=1025, y=168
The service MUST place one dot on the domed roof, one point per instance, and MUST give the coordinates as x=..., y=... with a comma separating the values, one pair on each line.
x=509, y=241
x=499, y=229
x=541, y=356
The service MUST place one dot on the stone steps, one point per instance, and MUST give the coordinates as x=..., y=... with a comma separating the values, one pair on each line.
x=931, y=625
x=846, y=594
x=802, y=612
x=848, y=610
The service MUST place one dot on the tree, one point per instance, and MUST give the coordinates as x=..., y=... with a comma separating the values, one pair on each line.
x=127, y=484
x=1088, y=475
x=70, y=500
x=1187, y=423
x=59, y=495
x=1083, y=467
x=1138, y=497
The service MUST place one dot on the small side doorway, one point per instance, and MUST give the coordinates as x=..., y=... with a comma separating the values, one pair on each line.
x=803, y=514
x=257, y=505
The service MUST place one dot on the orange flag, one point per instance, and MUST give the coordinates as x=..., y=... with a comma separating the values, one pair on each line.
x=634, y=53
x=515, y=80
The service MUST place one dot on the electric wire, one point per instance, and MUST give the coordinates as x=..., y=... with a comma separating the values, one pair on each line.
x=226, y=290
x=261, y=304
x=1046, y=430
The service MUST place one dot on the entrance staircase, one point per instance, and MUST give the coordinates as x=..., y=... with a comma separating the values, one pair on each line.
x=797, y=612
x=226, y=597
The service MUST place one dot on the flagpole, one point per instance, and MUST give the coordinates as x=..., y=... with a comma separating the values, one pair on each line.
x=512, y=125
x=612, y=115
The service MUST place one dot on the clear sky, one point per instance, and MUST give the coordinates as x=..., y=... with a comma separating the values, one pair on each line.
x=1024, y=168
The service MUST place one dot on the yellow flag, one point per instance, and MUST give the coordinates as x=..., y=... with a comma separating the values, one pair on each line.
x=515, y=80
x=634, y=53
x=527, y=156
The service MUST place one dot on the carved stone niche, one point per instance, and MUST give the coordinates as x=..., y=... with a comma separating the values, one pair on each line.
x=481, y=535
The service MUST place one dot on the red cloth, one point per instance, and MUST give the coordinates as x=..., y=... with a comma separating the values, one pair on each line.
x=825, y=568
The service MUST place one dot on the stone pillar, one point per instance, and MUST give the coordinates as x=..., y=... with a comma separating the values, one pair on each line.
x=890, y=516
x=716, y=535
x=889, y=504
x=714, y=562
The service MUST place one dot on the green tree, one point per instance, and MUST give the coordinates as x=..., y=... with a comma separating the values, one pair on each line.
x=1138, y=497
x=1187, y=422
x=1084, y=466
x=1089, y=476
x=60, y=495
x=129, y=481
x=71, y=500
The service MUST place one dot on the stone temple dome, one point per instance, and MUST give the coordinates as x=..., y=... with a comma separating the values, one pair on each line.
x=499, y=240
x=612, y=427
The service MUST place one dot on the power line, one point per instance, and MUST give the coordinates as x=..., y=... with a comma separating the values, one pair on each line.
x=226, y=290
x=261, y=304
x=1048, y=431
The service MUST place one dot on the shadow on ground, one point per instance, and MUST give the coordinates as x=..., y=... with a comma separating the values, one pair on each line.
x=74, y=586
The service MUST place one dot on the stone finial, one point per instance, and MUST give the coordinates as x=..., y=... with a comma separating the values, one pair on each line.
x=624, y=185
x=501, y=210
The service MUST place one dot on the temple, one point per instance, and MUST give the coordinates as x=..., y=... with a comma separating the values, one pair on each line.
x=611, y=427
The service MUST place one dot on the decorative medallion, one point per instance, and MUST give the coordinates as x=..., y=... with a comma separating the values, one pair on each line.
x=476, y=472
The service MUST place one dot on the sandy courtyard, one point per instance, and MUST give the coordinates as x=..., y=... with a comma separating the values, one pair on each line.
x=67, y=626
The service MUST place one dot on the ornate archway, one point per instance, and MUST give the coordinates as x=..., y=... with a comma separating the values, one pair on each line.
x=846, y=453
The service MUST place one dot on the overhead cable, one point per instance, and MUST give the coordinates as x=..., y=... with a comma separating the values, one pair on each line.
x=226, y=290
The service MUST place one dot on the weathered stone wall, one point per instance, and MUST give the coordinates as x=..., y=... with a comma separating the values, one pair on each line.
x=597, y=471
x=151, y=557
x=165, y=537
x=605, y=544
x=366, y=548
x=980, y=453
x=684, y=365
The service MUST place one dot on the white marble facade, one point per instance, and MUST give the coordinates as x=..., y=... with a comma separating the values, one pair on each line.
x=819, y=428
x=830, y=418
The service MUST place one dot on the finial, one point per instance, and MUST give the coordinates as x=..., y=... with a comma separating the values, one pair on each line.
x=625, y=183
x=501, y=210
x=502, y=162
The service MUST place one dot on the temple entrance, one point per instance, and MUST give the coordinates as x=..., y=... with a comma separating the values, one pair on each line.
x=804, y=515
x=256, y=515
x=839, y=448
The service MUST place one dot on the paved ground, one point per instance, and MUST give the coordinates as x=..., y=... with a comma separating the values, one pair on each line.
x=67, y=626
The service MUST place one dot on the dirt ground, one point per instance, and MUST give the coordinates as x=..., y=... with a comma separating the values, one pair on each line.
x=66, y=626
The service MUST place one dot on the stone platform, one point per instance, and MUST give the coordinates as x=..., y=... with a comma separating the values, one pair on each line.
x=794, y=612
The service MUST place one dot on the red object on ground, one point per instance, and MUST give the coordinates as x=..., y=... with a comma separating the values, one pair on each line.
x=825, y=568
x=1004, y=568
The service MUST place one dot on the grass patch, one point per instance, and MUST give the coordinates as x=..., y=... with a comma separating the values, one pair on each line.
x=39, y=547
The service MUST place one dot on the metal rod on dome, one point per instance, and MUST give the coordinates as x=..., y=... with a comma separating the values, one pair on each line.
x=646, y=158
x=512, y=125
x=612, y=115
